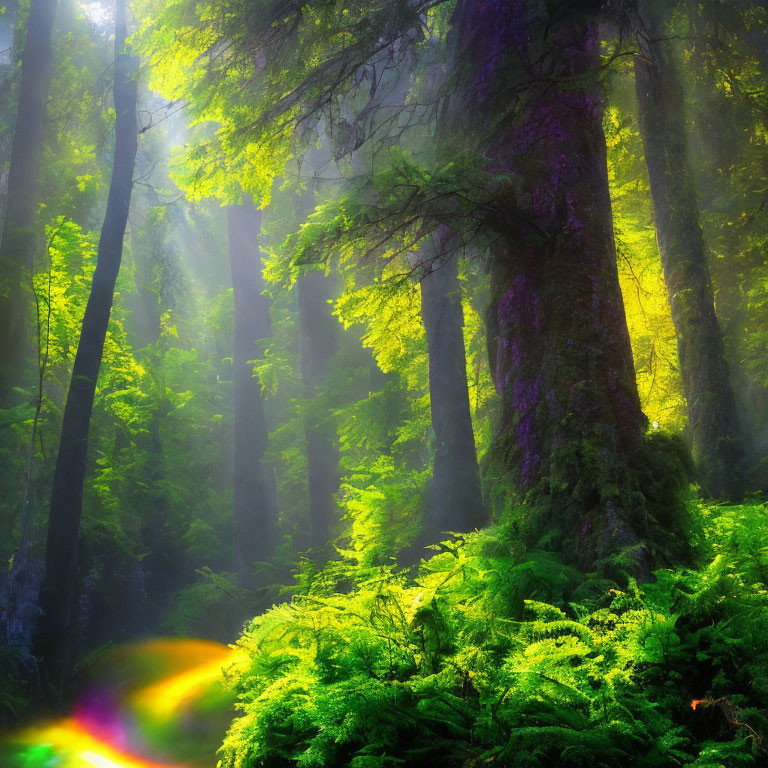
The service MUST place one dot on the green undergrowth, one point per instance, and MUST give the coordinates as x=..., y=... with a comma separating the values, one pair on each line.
x=477, y=659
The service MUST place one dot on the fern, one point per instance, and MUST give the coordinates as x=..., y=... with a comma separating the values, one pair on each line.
x=368, y=667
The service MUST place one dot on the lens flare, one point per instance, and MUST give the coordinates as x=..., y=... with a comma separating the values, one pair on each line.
x=136, y=704
x=169, y=695
x=71, y=746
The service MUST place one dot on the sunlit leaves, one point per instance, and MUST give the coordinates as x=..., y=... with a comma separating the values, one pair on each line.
x=366, y=664
x=654, y=344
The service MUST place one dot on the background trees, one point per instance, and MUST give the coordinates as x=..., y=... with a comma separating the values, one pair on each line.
x=57, y=593
x=253, y=493
x=718, y=440
x=444, y=309
x=456, y=502
x=19, y=239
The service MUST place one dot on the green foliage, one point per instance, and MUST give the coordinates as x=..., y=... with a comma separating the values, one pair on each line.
x=265, y=74
x=385, y=438
x=654, y=344
x=212, y=606
x=483, y=659
x=726, y=70
x=485, y=654
x=13, y=690
x=403, y=201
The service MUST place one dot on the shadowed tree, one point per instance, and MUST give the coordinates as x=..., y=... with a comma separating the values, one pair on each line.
x=571, y=432
x=318, y=333
x=723, y=129
x=253, y=499
x=455, y=501
x=18, y=236
x=318, y=329
x=523, y=92
x=718, y=443
x=59, y=584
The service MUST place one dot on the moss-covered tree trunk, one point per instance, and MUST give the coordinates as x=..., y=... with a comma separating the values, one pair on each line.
x=57, y=595
x=571, y=437
x=252, y=497
x=17, y=245
x=718, y=443
x=455, y=500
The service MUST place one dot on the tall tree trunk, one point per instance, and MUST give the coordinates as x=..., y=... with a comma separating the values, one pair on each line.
x=319, y=341
x=571, y=435
x=718, y=443
x=253, y=501
x=722, y=127
x=455, y=500
x=318, y=344
x=58, y=590
x=18, y=236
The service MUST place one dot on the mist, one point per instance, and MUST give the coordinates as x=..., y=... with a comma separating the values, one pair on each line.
x=383, y=383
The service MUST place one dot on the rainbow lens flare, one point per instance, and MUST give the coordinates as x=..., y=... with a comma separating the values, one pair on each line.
x=158, y=704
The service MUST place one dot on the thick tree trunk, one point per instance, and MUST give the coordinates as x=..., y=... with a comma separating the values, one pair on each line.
x=718, y=443
x=571, y=435
x=319, y=341
x=455, y=499
x=58, y=591
x=254, y=513
x=18, y=236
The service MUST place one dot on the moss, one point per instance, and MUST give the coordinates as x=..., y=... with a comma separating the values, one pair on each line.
x=566, y=510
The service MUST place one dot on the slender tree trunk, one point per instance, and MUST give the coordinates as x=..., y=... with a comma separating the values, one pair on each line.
x=58, y=591
x=18, y=236
x=148, y=247
x=570, y=441
x=319, y=341
x=318, y=344
x=25, y=570
x=455, y=499
x=718, y=443
x=254, y=513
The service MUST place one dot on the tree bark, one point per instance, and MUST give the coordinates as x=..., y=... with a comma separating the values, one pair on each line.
x=570, y=442
x=718, y=442
x=17, y=245
x=254, y=512
x=319, y=341
x=455, y=499
x=59, y=584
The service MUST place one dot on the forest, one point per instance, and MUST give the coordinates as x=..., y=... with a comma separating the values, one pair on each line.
x=383, y=384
